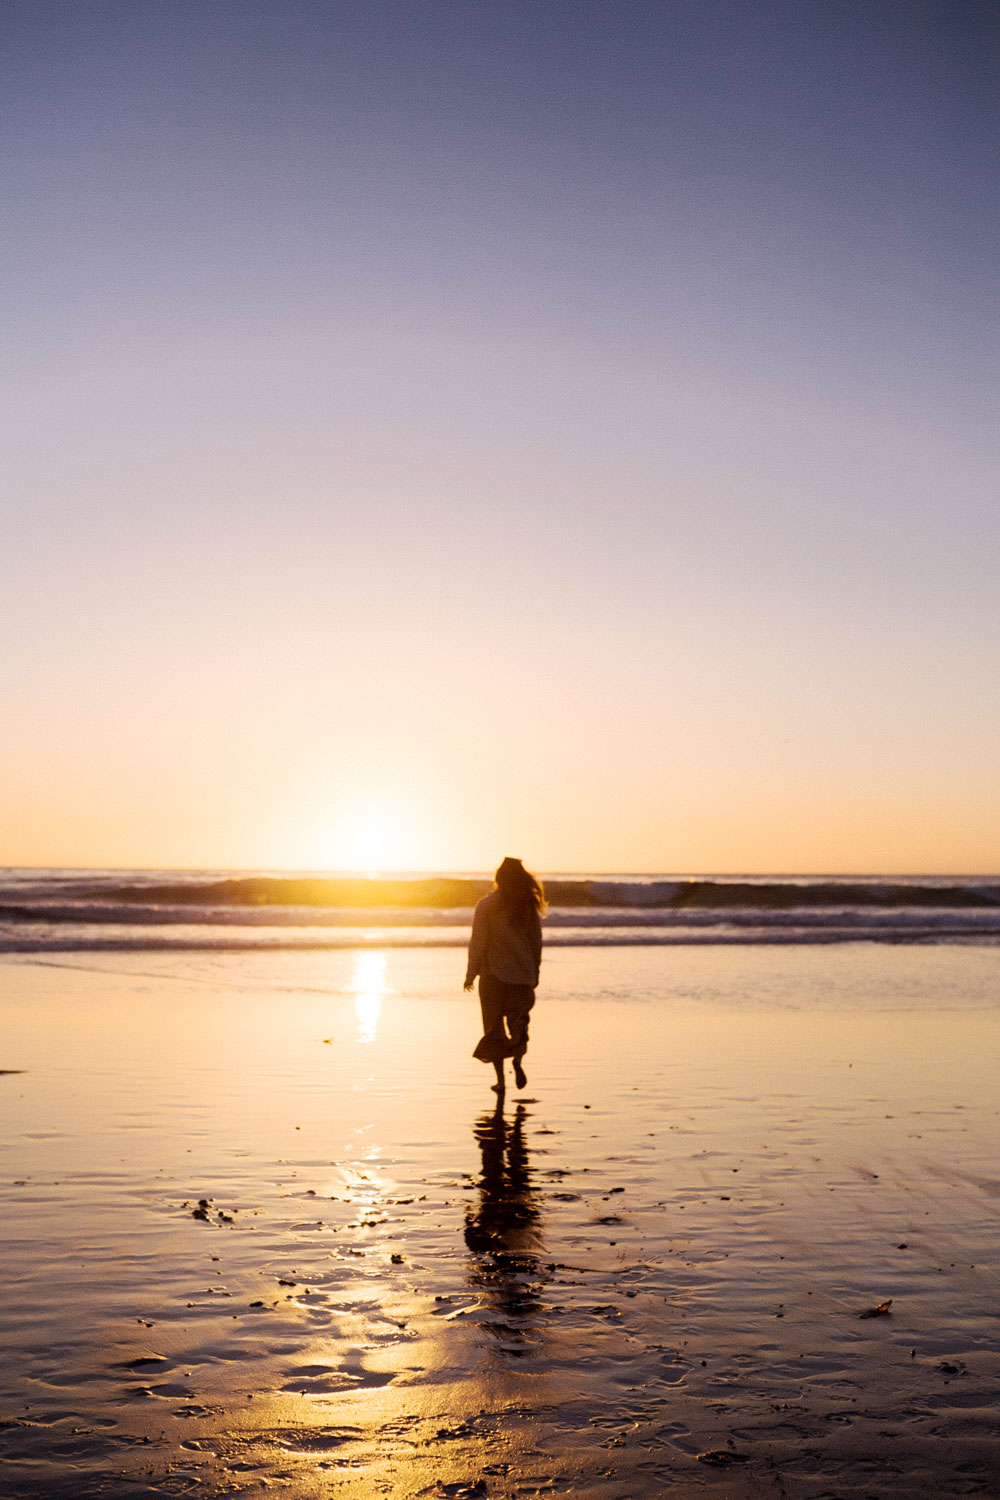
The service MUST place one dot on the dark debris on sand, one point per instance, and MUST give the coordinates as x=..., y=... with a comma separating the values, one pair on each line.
x=722, y=1457
x=880, y=1310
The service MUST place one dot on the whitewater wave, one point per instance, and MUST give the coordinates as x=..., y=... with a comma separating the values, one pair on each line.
x=21, y=891
x=62, y=911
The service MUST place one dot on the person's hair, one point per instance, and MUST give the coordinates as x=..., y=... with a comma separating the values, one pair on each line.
x=519, y=890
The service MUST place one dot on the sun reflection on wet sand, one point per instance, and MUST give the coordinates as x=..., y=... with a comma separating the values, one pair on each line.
x=391, y=1366
x=369, y=989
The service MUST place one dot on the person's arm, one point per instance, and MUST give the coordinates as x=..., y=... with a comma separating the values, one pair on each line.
x=477, y=946
x=536, y=943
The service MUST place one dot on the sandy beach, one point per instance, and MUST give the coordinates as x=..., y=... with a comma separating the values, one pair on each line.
x=266, y=1231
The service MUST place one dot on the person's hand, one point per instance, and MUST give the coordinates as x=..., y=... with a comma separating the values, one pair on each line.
x=468, y=984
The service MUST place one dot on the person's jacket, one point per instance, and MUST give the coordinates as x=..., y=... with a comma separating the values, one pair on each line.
x=509, y=950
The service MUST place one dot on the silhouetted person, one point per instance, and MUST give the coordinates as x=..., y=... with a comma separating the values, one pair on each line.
x=505, y=951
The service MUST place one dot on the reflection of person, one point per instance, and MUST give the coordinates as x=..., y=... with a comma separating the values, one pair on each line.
x=505, y=951
x=506, y=1218
x=503, y=1233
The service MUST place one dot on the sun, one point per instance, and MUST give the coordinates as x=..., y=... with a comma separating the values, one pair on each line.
x=373, y=838
x=371, y=844
x=366, y=830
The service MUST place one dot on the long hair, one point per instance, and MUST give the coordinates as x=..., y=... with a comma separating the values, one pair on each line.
x=520, y=891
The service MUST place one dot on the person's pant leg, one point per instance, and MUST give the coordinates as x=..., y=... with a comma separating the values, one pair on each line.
x=518, y=1002
x=494, y=1044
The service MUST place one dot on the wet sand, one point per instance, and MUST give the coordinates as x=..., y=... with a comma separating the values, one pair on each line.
x=266, y=1232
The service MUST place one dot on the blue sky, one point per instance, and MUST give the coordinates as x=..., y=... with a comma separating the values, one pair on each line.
x=570, y=427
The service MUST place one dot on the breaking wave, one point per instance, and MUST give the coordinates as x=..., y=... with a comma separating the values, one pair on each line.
x=68, y=910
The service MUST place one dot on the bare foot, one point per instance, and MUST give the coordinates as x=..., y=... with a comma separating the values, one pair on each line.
x=520, y=1077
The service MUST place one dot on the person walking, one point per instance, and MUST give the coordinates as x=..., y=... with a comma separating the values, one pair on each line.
x=505, y=953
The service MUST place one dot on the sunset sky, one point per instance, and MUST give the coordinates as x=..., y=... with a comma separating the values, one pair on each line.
x=438, y=429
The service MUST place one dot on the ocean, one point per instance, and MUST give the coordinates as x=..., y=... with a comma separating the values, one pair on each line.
x=76, y=910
